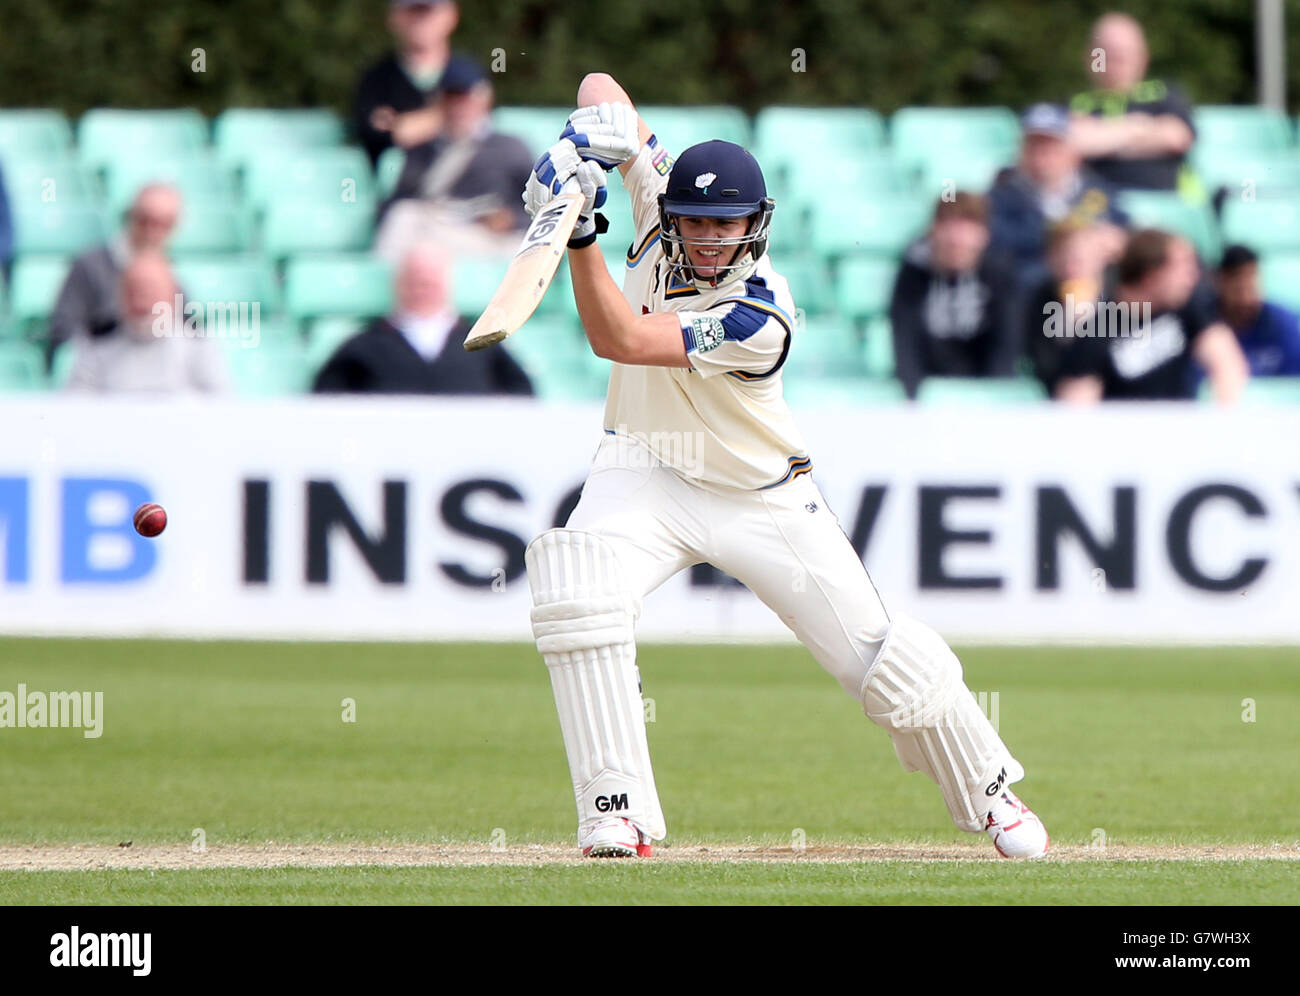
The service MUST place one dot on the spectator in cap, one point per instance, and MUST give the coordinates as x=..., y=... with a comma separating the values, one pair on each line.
x=953, y=309
x=460, y=190
x=1267, y=333
x=417, y=349
x=1133, y=131
x=1048, y=185
x=394, y=97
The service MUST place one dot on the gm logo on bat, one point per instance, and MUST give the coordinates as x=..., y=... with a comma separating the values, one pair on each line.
x=542, y=227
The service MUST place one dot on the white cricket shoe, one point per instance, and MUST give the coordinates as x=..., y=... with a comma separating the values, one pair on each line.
x=1015, y=830
x=615, y=838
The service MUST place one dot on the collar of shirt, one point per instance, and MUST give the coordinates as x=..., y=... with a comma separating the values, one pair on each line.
x=427, y=334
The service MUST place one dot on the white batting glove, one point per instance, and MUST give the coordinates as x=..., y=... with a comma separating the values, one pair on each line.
x=556, y=165
x=591, y=179
x=605, y=133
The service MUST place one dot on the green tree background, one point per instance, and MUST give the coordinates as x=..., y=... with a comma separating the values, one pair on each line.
x=883, y=54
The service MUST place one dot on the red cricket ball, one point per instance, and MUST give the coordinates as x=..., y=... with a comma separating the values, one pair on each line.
x=150, y=519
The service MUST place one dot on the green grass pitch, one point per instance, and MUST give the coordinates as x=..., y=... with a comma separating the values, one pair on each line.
x=458, y=744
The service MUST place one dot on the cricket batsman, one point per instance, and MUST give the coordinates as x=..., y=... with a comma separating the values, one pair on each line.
x=697, y=338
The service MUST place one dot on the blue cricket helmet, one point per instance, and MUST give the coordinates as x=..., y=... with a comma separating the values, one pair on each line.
x=717, y=180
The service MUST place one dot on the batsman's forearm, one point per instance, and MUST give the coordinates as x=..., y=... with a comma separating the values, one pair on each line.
x=616, y=332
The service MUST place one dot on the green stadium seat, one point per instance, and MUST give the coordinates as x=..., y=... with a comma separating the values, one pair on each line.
x=679, y=127
x=980, y=391
x=229, y=278
x=475, y=280
x=104, y=134
x=842, y=392
x=1169, y=211
x=870, y=173
x=863, y=286
x=878, y=347
x=34, y=133
x=881, y=225
x=276, y=329
x=1273, y=391
x=789, y=235
x=1281, y=278
x=786, y=137
x=303, y=226
x=241, y=134
x=950, y=133
x=332, y=176
x=211, y=227
x=276, y=368
x=22, y=367
x=952, y=170
x=1244, y=128
x=1250, y=174
x=334, y=286
x=56, y=228
x=388, y=170
x=547, y=339
x=325, y=335
x=34, y=182
x=34, y=287
x=810, y=285
x=824, y=347
x=198, y=178
x=537, y=127
x=1267, y=225
x=555, y=355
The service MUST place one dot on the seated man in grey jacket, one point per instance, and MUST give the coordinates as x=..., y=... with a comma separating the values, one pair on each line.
x=88, y=304
x=148, y=349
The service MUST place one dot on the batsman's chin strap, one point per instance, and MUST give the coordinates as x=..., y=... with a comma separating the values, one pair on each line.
x=602, y=226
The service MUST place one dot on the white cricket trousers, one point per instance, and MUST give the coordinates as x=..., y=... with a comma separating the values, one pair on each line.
x=783, y=543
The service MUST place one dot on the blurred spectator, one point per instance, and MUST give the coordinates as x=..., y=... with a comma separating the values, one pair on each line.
x=1133, y=131
x=1048, y=185
x=6, y=229
x=954, y=304
x=392, y=103
x=88, y=301
x=1158, y=319
x=1268, y=333
x=418, y=349
x=1077, y=256
x=461, y=190
x=147, y=349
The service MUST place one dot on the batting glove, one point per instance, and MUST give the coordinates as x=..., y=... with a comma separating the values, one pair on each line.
x=605, y=133
x=550, y=172
x=591, y=179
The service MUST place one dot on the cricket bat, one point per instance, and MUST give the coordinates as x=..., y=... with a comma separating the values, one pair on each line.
x=530, y=273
